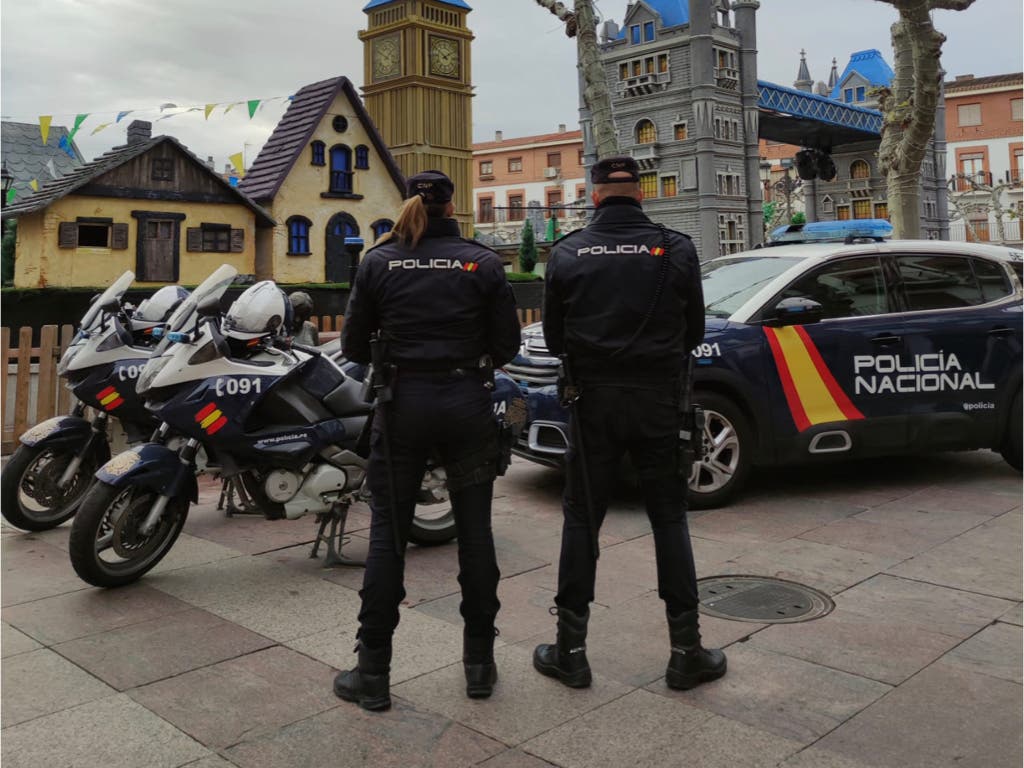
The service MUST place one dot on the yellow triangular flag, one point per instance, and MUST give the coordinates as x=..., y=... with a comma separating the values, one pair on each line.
x=209, y=109
x=98, y=128
x=44, y=126
x=236, y=160
x=34, y=184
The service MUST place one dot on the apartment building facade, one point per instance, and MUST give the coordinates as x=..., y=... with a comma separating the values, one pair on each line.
x=985, y=156
x=533, y=177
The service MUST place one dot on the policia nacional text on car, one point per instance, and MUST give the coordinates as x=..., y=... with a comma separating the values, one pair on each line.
x=623, y=307
x=444, y=316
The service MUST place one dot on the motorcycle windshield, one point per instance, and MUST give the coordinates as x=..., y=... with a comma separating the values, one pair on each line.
x=213, y=286
x=115, y=291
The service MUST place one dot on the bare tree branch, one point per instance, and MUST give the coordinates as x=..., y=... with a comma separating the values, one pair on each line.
x=563, y=13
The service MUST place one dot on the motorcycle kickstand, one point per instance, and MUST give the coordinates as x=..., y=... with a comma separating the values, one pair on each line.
x=337, y=516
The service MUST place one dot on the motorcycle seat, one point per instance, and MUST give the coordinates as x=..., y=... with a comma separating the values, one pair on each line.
x=347, y=399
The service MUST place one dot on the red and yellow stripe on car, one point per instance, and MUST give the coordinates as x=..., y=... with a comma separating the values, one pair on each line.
x=210, y=419
x=812, y=392
x=109, y=398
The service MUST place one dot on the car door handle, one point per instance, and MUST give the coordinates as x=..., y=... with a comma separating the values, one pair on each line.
x=1001, y=331
x=886, y=339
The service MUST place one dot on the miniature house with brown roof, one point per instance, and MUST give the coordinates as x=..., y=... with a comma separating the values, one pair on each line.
x=150, y=206
x=325, y=175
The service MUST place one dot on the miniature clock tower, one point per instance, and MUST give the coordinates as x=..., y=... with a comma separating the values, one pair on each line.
x=417, y=89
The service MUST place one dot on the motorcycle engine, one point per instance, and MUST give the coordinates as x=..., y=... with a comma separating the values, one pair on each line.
x=281, y=485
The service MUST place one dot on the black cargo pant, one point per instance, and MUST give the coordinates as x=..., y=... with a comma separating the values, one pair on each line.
x=450, y=414
x=643, y=420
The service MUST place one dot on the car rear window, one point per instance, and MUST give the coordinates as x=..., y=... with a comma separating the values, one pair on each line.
x=729, y=283
x=947, y=282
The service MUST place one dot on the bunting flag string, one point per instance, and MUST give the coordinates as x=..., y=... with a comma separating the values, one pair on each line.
x=236, y=161
x=122, y=114
x=209, y=109
x=253, y=105
x=79, y=119
x=44, y=126
x=11, y=194
x=34, y=184
x=99, y=128
x=50, y=167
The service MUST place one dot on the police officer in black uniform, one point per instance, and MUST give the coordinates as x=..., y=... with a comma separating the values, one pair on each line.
x=442, y=306
x=623, y=301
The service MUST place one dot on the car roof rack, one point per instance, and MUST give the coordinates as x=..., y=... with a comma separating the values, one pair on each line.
x=848, y=232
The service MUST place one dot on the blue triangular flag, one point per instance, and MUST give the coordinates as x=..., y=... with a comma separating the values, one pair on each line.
x=66, y=146
x=122, y=114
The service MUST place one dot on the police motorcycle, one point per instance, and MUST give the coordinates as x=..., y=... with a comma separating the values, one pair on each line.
x=283, y=421
x=49, y=473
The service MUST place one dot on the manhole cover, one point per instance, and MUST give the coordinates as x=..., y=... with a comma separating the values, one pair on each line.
x=761, y=599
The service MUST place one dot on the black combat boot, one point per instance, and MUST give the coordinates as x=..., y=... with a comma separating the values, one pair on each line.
x=567, y=658
x=369, y=683
x=691, y=664
x=478, y=663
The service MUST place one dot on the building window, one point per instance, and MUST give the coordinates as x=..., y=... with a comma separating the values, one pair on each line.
x=555, y=160
x=381, y=227
x=93, y=235
x=343, y=225
x=486, y=215
x=341, y=169
x=859, y=169
x=649, y=184
x=663, y=62
x=515, y=165
x=1017, y=166
x=973, y=165
x=579, y=157
x=848, y=95
x=163, y=169
x=362, y=158
x=624, y=70
x=486, y=168
x=1015, y=109
x=634, y=34
x=827, y=206
x=645, y=133
x=317, y=148
x=862, y=209
x=636, y=68
x=649, y=65
x=216, y=238
x=668, y=186
x=554, y=198
x=679, y=131
x=881, y=210
x=968, y=114
x=581, y=192
x=515, y=205
x=860, y=93
x=648, y=31
x=298, y=236
x=843, y=212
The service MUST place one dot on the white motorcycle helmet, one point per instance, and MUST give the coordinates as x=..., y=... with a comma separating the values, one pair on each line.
x=262, y=311
x=156, y=311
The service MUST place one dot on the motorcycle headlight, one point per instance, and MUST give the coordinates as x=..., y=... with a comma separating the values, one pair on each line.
x=67, y=357
x=149, y=372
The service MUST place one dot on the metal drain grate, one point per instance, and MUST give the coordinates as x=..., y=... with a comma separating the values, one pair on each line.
x=761, y=599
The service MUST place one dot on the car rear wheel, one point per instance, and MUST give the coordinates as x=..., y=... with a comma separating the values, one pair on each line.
x=1012, y=447
x=728, y=442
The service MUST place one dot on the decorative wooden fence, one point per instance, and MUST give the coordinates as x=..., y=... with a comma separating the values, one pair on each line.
x=32, y=392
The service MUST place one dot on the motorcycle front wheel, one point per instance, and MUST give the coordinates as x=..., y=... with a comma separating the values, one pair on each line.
x=106, y=546
x=29, y=496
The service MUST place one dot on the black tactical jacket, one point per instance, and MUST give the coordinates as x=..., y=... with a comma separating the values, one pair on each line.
x=601, y=282
x=442, y=305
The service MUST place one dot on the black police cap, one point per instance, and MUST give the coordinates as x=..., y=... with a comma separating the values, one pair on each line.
x=432, y=186
x=613, y=170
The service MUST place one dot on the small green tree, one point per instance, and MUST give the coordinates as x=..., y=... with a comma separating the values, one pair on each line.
x=527, y=248
x=798, y=218
x=10, y=237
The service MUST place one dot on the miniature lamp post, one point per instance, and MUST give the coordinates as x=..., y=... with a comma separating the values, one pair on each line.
x=8, y=182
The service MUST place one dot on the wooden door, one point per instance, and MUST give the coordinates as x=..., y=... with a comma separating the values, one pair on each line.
x=157, y=258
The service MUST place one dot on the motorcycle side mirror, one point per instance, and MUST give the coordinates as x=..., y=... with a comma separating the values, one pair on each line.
x=798, y=310
x=209, y=307
x=111, y=306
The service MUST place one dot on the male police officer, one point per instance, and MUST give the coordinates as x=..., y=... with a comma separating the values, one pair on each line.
x=623, y=301
x=446, y=314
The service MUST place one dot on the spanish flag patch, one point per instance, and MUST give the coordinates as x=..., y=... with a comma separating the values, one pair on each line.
x=657, y=251
x=470, y=266
x=109, y=398
x=210, y=419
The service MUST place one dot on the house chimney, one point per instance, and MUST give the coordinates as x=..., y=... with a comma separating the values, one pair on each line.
x=561, y=127
x=139, y=131
x=498, y=136
x=961, y=78
x=210, y=164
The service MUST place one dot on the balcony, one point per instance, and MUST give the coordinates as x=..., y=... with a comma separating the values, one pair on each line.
x=505, y=224
x=970, y=182
x=727, y=77
x=646, y=155
x=643, y=84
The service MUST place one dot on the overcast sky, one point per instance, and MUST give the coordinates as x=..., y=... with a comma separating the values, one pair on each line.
x=66, y=57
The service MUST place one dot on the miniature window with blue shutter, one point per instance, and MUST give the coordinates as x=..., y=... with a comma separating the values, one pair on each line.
x=362, y=157
x=318, y=153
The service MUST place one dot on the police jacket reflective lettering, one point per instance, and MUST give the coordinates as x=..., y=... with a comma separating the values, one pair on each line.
x=600, y=282
x=442, y=304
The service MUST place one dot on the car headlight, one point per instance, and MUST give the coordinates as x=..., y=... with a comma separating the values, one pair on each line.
x=67, y=357
x=149, y=372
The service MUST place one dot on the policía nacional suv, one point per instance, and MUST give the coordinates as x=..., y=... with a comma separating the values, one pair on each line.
x=819, y=351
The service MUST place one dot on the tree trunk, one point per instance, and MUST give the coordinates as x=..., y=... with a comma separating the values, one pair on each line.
x=908, y=108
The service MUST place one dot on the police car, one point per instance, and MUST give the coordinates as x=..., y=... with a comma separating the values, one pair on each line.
x=818, y=351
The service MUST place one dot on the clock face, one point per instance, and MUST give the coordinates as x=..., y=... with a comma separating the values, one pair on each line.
x=387, y=60
x=444, y=57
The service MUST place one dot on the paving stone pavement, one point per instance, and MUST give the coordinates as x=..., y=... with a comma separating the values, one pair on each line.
x=224, y=655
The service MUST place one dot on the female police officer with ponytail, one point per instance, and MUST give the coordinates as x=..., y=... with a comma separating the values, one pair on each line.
x=441, y=306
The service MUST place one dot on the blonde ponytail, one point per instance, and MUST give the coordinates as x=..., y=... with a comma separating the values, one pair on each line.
x=412, y=221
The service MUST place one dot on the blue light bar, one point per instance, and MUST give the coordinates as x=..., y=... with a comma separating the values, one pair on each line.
x=178, y=336
x=157, y=332
x=832, y=231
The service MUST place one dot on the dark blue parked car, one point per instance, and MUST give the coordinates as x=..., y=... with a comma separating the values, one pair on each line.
x=818, y=352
